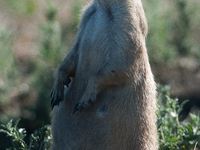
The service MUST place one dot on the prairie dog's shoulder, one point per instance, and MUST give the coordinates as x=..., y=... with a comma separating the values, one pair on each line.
x=86, y=14
x=88, y=9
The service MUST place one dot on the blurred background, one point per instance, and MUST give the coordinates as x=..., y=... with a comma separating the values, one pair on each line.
x=36, y=35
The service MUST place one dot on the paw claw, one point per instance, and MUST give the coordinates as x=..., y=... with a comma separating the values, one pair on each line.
x=57, y=95
x=78, y=107
x=75, y=108
x=85, y=102
x=81, y=107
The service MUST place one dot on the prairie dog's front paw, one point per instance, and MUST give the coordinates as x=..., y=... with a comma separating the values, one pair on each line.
x=86, y=100
x=57, y=93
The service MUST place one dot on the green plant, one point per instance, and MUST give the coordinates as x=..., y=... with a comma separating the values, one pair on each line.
x=39, y=140
x=173, y=134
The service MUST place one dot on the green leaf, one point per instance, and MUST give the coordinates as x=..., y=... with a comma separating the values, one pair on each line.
x=174, y=139
x=16, y=123
x=190, y=128
x=4, y=131
x=181, y=128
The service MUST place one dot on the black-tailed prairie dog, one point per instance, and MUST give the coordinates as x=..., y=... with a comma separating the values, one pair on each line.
x=110, y=103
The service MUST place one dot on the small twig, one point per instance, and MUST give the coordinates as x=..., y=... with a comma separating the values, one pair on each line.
x=195, y=146
x=162, y=134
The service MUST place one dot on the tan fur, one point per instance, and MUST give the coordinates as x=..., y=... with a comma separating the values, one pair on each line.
x=111, y=83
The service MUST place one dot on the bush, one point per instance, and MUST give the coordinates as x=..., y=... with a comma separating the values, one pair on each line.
x=173, y=134
x=39, y=140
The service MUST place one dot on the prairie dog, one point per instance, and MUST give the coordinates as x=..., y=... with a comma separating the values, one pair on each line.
x=110, y=88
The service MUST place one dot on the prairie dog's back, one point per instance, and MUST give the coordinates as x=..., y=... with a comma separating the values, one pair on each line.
x=112, y=94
